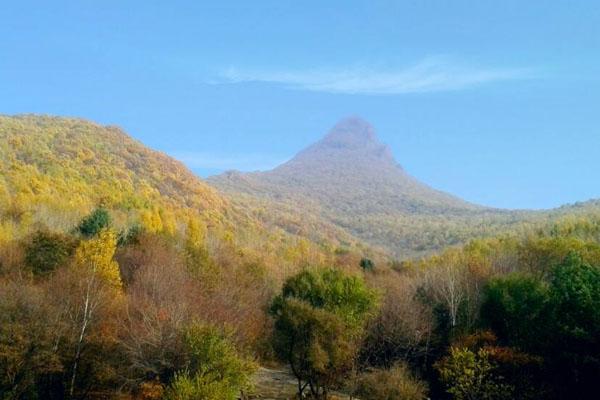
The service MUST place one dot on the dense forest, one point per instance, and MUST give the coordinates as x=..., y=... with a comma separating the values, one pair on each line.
x=123, y=276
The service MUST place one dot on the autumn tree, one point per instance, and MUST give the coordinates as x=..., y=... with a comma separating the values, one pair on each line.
x=161, y=300
x=402, y=329
x=97, y=282
x=471, y=375
x=27, y=341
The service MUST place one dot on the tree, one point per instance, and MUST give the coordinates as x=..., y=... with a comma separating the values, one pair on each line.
x=27, y=351
x=319, y=322
x=94, y=223
x=470, y=375
x=575, y=297
x=214, y=370
x=515, y=307
x=575, y=311
x=447, y=285
x=47, y=251
x=403, y=328
x=557, y=319
x=367, y=264
x=97, y=282
x=160, y=300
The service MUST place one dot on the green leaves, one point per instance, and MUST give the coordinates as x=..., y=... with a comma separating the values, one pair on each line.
x=516, y=308
x=330, y=289
x=214, y=370
x=575, y=296
x=319, y=319
x=47, y=251
x=557, y=319
x=470, y=375
x=98, y=220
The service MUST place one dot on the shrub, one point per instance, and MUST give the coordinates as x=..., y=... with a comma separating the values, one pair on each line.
x=367, y=264
x=396, y=383
x=214, y=370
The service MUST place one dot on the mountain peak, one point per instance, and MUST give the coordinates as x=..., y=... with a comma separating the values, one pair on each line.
x=352, y=140
x=351, y=132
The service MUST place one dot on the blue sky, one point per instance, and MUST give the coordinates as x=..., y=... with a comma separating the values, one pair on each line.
x=497, y=102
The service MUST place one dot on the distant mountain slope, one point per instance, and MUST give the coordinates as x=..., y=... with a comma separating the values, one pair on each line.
x=352, y=181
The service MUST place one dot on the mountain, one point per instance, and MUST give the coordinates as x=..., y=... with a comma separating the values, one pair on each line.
x=350, y=169
x=54, y=171
x=343, y=197
x=352, y=181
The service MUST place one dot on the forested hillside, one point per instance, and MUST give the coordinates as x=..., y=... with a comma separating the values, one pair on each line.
x=55, y=170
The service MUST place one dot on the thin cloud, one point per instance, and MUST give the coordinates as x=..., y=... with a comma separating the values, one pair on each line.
x=434, y=74
x=245, y=162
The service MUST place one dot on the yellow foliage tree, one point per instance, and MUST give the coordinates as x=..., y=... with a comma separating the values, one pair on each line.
x=152, y=221
x=98, y=282
x=97, y=255
x=196, y=233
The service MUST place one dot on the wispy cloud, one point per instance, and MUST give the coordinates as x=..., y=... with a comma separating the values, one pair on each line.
x=434, y=74
x=242, y=162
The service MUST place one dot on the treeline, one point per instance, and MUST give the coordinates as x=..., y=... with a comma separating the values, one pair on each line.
x=105, y=312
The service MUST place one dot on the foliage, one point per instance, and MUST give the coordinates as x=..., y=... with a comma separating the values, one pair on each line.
x=397, y=383
x=319, y=320
x=330, y=289
x=575, y=309
x=575, y=296
x=403, y=328
x=556, y=318
x=470, y=375
x=120, y=318
x=94, y=223
x=46, y=251
x=55, y=171
x=97, y=255
x=130, y=236
x=515, y=307
x=361, y=192
x=214, y=371
x=26, y=342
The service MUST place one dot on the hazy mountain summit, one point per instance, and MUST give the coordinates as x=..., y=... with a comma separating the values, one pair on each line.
x=349, y=168
x=350, y=141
